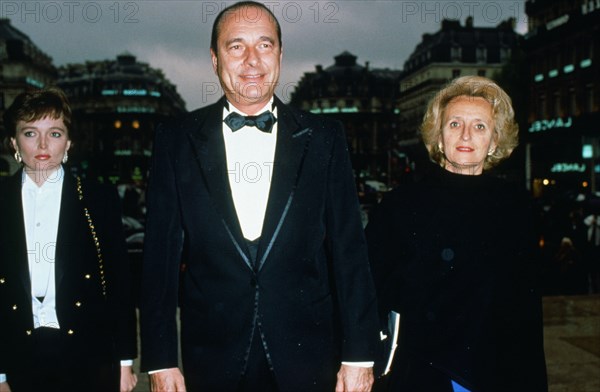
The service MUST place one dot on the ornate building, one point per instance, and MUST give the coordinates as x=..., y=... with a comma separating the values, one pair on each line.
x=363, y=99
x=116, y=106
x=563, y=53
x=22, y=65
x=455, y=50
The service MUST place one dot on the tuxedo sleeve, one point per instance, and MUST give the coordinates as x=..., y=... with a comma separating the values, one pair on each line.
x=348, y=251
x=162, y=256
x=118, y=293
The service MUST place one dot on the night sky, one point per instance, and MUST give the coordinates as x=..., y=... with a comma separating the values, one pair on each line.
x=174, y=35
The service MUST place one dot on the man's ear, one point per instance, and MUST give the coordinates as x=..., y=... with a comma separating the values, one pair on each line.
x=215, y=60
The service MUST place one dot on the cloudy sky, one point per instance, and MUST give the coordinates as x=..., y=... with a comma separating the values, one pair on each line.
x=174, y=35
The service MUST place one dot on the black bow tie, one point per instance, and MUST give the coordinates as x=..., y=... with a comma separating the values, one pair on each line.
x=263, y=121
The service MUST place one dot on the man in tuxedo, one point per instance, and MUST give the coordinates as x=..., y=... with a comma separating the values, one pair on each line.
x=258, y=201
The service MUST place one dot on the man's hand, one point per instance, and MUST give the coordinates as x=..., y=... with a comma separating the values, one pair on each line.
x=168, y=380
x=4, y=387
x=354, y=379
x=128, y=379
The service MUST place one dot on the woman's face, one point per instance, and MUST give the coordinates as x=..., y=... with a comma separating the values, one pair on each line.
x=42, y=145
x=467, y=134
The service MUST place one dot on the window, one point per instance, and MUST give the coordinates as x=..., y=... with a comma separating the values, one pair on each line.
x=481, y=54
x=589, y=98
x=504, y=54
x=541, y=107
x=572, y=102
x=455, y=52
x=556, y=106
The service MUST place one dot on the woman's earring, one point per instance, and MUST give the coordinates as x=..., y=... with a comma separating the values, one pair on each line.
x=65, y=157
x=491, y=151
x=18, y=157
x=441, y=148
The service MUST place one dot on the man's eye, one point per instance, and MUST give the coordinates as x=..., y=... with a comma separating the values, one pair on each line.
x=454, y=124
x=480, y=126
x=56, y=134
x=29, y=133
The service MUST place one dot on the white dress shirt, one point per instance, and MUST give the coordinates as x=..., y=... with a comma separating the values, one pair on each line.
x=41, y=210
x=250, y=156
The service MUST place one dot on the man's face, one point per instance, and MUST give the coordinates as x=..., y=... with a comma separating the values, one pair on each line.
x=248, y=58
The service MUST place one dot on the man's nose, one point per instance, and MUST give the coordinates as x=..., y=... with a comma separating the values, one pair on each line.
x=252, y=57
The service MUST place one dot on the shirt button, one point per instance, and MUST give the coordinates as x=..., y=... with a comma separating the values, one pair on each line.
x=78, y=304
x=14, y=307
x=28, y=332
x=70, y=332
x=2, y=280
x=38, y=224
x=87, y=276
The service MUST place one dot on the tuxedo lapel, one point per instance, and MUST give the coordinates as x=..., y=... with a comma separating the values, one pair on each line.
x=206, y=137
x=16, y=234
x=292, y=143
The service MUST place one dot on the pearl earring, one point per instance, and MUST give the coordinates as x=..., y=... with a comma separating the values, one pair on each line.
x=18, y=157
x=65, y=157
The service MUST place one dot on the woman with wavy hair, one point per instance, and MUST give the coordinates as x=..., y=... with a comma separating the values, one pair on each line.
x=453, y=255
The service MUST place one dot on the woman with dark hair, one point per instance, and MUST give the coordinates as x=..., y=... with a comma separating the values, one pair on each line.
x=453, y=255
x=66, y=314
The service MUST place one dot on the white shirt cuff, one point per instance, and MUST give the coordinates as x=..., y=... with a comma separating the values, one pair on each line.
x=127, y=362
x=156, y=371
x=2, y=377
x=367, y=364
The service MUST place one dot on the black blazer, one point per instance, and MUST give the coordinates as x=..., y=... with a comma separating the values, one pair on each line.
x=93, y=329
x=310, y=293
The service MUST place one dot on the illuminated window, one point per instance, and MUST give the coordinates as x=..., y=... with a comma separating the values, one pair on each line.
x=135, y=124
x=118, y=124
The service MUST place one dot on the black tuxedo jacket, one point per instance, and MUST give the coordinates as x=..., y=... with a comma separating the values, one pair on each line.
x=309, y=294
x=93, y=329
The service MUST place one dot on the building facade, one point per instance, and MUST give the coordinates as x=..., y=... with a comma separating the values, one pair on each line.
x=116, y=106
x=362, y=98
x=455, y=50
x=563, y=132
x=22, y=66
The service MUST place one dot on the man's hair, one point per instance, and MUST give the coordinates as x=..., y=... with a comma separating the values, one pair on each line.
x=36, y=105
x=231, y=9
x=506, y=130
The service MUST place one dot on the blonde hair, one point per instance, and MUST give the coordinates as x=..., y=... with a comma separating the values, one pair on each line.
x=506, y=130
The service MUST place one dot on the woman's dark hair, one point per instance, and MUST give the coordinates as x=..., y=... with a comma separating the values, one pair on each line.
x=36, y=105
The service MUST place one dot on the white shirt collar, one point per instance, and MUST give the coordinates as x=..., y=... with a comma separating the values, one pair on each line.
x=54, y=180
x=231, y=108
